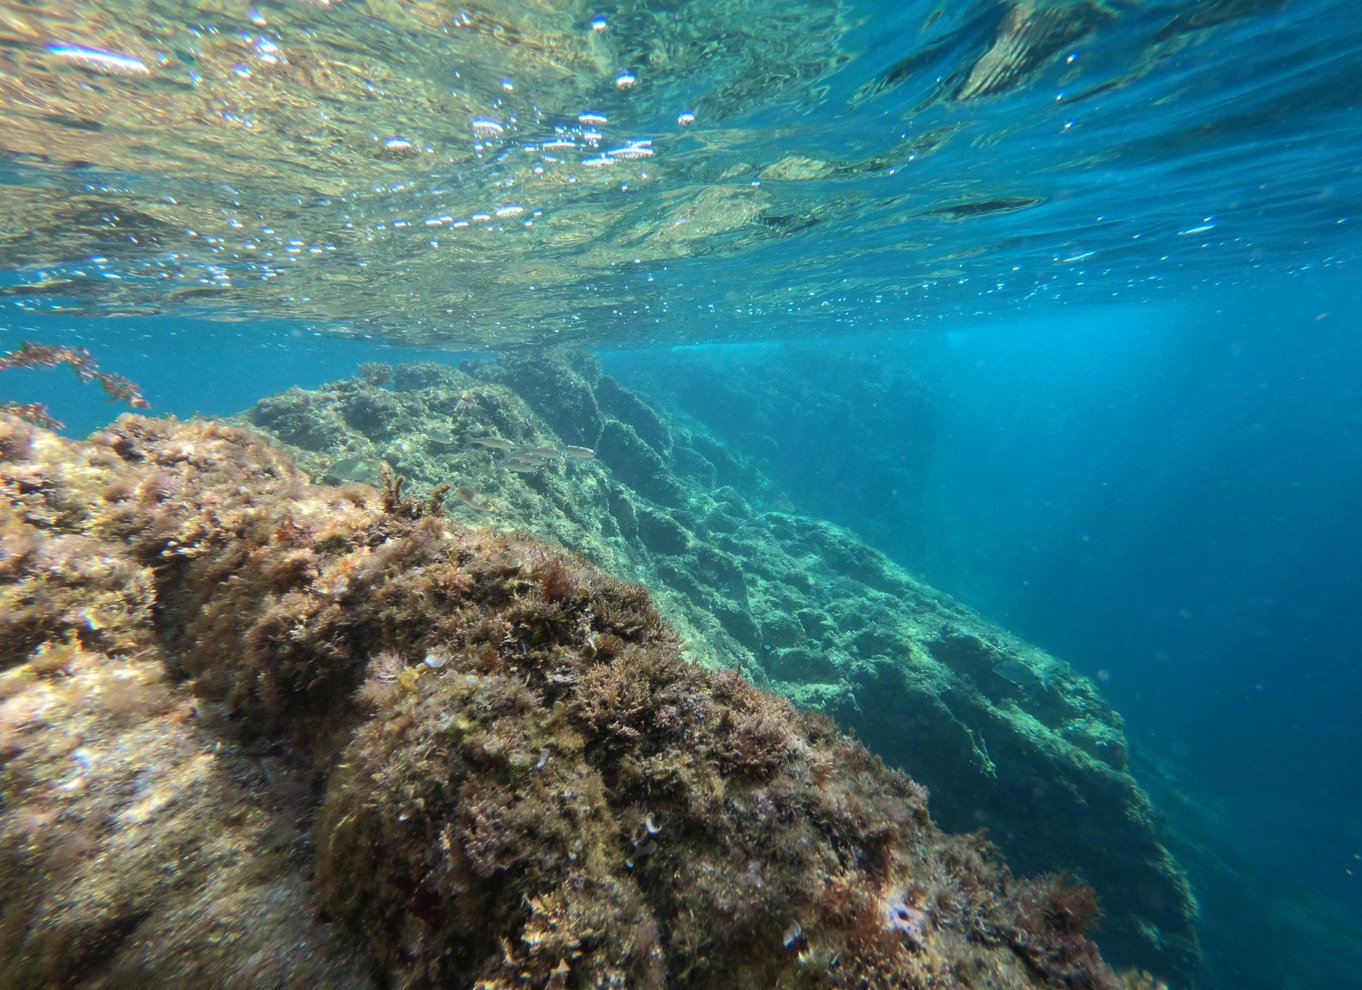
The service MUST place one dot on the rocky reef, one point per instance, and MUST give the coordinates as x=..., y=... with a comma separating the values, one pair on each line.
x=1003, y=735
x=258, y=732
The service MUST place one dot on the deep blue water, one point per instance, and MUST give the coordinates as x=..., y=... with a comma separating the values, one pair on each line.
x=1166, y=497
x=1171, y=503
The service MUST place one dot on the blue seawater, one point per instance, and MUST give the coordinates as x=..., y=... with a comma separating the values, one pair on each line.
x=1165, y=496
x=1055, y=303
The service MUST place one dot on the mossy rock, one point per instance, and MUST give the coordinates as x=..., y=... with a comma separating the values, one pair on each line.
x=436, y=756
x=934, y=686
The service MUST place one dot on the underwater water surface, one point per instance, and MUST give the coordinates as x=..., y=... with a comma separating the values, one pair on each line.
x=1054, y=303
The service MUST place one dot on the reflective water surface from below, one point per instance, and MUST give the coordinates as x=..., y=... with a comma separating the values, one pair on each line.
x=484, y=176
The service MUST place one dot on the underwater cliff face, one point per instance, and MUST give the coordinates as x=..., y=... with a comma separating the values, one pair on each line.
x=219, y=679
x=1003, y=735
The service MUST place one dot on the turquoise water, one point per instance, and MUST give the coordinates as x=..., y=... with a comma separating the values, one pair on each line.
x=1169, y=503
x=1055, y=304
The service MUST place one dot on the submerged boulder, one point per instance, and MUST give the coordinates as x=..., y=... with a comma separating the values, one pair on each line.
x=256, y=732
x=1004, y=736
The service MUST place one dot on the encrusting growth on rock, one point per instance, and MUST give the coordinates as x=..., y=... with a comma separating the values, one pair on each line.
x=492, y=758
x=1005, y=736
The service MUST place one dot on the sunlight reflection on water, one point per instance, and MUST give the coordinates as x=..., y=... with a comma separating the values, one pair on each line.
x=678, y=176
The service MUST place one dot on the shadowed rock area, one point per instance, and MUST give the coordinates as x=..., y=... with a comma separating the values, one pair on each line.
x=257, y=732
x=1003, y=735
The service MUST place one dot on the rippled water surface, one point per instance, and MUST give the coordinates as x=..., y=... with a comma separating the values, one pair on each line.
x=483, y=175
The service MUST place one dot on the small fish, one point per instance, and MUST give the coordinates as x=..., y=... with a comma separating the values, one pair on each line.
x=1021, y=674
x=493, y=443
x=352, y=469
x=522, y=467
x=583, y=452
x=545, y=452
x=473, y=500
x=441, y=438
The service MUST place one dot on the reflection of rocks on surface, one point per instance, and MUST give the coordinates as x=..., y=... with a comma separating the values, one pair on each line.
x=219, y=681
x=1003, y=735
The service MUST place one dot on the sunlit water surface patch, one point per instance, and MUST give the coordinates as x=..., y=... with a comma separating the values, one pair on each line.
x=472, y=177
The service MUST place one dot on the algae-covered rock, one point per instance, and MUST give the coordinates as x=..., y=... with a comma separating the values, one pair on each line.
x=492, y=758
x=1005, y=736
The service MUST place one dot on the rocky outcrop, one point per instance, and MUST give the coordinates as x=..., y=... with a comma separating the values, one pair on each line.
x=257, y=732
x=1003, y=735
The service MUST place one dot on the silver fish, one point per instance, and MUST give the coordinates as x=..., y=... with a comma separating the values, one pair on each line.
x=473, y=500
x=352, y=469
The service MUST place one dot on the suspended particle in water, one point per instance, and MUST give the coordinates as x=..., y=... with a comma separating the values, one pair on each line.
x=642, y=148
x=397, y=147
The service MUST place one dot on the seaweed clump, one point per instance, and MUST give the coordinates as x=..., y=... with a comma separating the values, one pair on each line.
x=498, y=764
